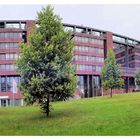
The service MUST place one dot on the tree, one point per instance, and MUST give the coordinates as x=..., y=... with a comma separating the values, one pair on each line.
x=111, y=73
x=137, y=80
x=45, y=63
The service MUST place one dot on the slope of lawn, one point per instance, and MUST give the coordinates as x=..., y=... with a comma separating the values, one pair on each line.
x=95, y=116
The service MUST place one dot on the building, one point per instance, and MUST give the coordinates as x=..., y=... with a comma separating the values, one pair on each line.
x=91, y=46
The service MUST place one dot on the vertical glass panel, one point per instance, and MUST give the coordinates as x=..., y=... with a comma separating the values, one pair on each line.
x=3, y=84
x=8, y=84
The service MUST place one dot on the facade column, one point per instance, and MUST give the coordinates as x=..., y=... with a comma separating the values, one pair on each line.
x=0, y=83
x=86, y=30
x=22, y=102
x=6, y=102
x=93, y=84
x=126, y=57
x=74, y=29
x=126, y=84
x=6, y=84
x=20, y=24
x=4, y=24
x=87, y=85
x=108, y=43
x=90, y=31
x=127, y=64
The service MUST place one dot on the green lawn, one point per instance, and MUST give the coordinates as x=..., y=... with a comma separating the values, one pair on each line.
x=95, y=116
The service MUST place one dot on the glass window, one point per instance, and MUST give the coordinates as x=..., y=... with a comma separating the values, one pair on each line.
x=97, y=81
x=22, y=25
x=2, y=56
x=12, y=67
x=94, y=68
x=16, y=56
x=12, y=25
x=11, y=35
x=80, y=81
x=7, y=67
x=2, y=67
x=3, y=84
x=7, y=57
x=86, y=39
x=9, y=84
x=2, y=35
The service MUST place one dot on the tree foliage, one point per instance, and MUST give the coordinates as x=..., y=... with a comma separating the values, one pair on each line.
x=137, y=77
x=111, y=73
x=45, y=63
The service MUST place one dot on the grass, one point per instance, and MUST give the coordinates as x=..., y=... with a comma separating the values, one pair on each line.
x=94, y=116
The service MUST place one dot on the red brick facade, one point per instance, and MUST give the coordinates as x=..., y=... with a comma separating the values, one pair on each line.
x=91, y=46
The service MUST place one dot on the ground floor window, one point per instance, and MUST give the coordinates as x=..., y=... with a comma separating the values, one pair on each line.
x=88, y=85
x=11, y=102
x=132, y=81
x=4, y=102
x=6, y=83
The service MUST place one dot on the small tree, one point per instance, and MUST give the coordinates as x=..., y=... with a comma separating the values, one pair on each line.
x=111, y=73
x=137, y=80
x=45, y=63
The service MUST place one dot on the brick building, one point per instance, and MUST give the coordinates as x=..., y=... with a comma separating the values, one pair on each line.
x=90, y=50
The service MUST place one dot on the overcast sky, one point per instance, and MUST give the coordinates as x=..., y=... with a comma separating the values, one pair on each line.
x=121, y=19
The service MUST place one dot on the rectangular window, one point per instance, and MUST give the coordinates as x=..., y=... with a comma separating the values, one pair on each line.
x=3, y=84
x=23, y=26
x=12, y=25
x=2, y=35
x=2, y=56
x=7, y=82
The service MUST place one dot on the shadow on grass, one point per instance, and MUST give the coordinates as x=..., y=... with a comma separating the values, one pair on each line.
x=58, y=114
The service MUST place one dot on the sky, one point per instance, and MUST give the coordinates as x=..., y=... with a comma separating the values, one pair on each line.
x=121, y=19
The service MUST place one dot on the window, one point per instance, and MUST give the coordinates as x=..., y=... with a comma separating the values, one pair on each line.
x=2, y=35
x=23, y=26
x=98, y=68
x=6, y=56
x=132, y=65
x=7, y=83
x=89, y=49
x=120, y=39
x=95, y=33
x=12, y=25
x=2, y=24
x=79, y=30
x=89, y=68
x=10, y=35
x=8, y=67
x=3, y=84
x=97, y=81
x=132, y=57
x=80, y=81
x=8, y=45
x=132, y=81
x=88, y=58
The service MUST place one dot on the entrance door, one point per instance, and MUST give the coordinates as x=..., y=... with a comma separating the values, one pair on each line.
x=4, y=103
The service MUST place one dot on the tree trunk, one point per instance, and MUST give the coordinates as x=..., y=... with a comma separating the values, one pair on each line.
x=48, y=109
x=111, y=93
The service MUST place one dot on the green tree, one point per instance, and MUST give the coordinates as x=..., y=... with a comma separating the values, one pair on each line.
x=111, y=73
x=137, y=77
x=45, y=62
x=137, y=80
